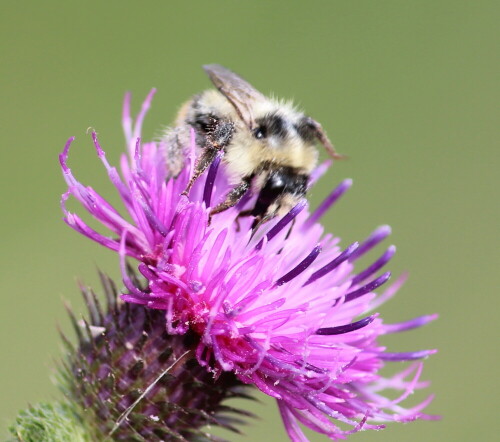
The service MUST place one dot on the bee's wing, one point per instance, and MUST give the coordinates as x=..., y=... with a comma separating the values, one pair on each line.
x=241, y=94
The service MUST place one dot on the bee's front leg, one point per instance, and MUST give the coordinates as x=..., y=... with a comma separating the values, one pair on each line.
x=216, y=139
x=206, y=158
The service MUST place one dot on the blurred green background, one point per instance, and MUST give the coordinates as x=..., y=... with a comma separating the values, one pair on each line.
x=406, y=89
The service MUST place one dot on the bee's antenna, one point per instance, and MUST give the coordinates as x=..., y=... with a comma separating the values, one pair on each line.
x=325, y=141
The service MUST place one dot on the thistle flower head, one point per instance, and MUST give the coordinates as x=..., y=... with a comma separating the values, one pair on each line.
x=282, y=307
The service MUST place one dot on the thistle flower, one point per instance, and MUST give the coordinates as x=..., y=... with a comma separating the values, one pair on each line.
x=281, y=308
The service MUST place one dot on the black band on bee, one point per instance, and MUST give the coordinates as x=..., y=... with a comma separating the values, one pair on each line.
x=271, y=125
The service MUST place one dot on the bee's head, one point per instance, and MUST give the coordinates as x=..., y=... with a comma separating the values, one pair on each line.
x=282, y=131
x=275, y=126
x=281, y=126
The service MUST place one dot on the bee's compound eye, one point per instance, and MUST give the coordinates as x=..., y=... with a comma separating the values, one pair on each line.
x=259, y=132
x=276, y=181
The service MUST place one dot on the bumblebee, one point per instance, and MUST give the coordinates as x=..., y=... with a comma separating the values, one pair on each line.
x=269, y=147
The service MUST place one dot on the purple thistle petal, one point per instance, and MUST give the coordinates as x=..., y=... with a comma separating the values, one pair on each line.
x=411, y=386
x=317, y=173
x=192, y=152
x=209, y=183
x=77, y=224
x=303, y=265
x=370, y=287
x=341, y=329
x=268, y=308
x=282, y=223
x=288, y=218
x=214, y=253
x=153, y=221
x=306, y=416
x=409, y=325
x=112, y=173
x=398, y=382
x=328, y=202
x=97, y=206
x=376, y=237
x=98, y=148
x=332, y=265
x=63, y=156
x=406, y=356
x=388, y=293
x=414, y=413
x=123, y=267
x=140, y=117
x=375, y=267
x=290, y=422
x=138, y=158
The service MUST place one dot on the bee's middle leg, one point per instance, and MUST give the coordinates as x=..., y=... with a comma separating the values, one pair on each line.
x=233, y=197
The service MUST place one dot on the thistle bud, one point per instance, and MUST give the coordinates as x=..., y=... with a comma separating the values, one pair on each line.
x=128, y=379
